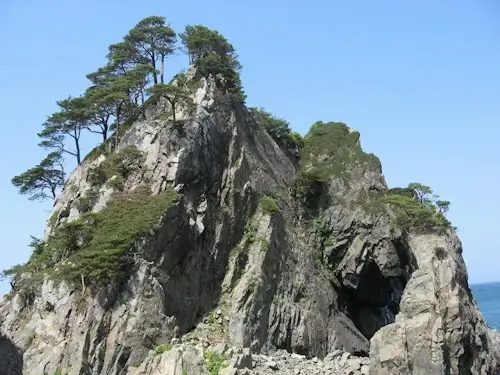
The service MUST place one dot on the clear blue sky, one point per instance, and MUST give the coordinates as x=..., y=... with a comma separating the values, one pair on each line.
x=419, y=79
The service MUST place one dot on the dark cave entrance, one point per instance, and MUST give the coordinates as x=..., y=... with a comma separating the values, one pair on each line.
x=374, y=302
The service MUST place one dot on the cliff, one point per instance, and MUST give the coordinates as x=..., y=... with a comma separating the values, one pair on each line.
x=205, y=243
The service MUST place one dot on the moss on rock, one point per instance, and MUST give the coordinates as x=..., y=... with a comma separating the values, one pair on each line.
x=330, y=149
x=98, y=246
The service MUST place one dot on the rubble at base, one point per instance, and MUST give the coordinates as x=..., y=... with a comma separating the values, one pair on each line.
x=182, y=359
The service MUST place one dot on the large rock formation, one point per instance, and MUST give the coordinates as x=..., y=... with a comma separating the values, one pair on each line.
x=205, y=230
x=11, y=357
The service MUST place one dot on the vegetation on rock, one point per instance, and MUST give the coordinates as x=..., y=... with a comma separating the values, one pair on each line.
x=211, y=52
x=331, y=149
x=214, y=362
x=173, y=95
x=97, y=247
x=418, y=208
x=278, y=129
x=42, y=181
x=160, y=349
x=269, y=205
x=118, y=165
x=119, y=92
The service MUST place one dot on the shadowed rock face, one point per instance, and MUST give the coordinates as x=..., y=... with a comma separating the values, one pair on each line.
x=307, y=270
x=11, y=357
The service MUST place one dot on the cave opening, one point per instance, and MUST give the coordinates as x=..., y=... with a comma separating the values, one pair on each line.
x=374, y=303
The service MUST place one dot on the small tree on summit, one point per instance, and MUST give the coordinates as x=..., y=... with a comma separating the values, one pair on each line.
x=423, y=193
x=443, y=206
x=211, y=52
x=199, y=42
x=42, y=181
x=154, y=39
x=68, y=122
x=173, y=94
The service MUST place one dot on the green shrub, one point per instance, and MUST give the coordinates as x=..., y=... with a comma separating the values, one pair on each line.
x=116, y=183
x=126, y=218
x=118, y=164
x=86, y=203
x=160, y=349
x=269, y=205
x=278, y=129
x=191, y=85
x=250, y=233
x=98, y=246
x=417, y=208
x=330, y=149
x=214, y=362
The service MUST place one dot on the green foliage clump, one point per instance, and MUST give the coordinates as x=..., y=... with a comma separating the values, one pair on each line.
x=250, y=236
x=84, y=204
x=418, y=208
x=330, y=149
x=278, y=129
x=306, y=178
x=42, y=181
x=213, y=54
x=97, y=247
x=269, y=205
x=118, y=164
x=160, y=349
x=113, y=231
x=189, y=85
x=415, y=207
x=214, y=362
x=173, y=94
x=11, y=272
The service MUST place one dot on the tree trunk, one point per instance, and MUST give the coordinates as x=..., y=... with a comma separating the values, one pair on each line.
x=162, y=68
x=155, y=75
x=117, y=130
x=78, y=156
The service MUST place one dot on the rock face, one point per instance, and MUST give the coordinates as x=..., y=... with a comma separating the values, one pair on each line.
x=11, y=357
x=248, y=251
x=439, y=329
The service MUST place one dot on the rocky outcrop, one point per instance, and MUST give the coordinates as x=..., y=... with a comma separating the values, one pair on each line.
x=439, y=329
x=11, y=357
x=495, y=341
x=230, y=242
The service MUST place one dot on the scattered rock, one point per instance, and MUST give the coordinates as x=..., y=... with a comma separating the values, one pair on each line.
x=272, y=365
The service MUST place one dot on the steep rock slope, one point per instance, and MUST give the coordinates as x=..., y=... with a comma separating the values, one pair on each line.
x=207, y=230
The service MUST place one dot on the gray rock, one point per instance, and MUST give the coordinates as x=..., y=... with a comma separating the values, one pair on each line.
x=272, y=365
x=244, y=360
x=229, y=371
x=219, y=348
x=437, y=311
x=353, y=364
x=321, y=276
x=343, y=359
x=11, y=357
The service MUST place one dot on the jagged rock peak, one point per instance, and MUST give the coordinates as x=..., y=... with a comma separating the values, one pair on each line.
x=198, y=226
